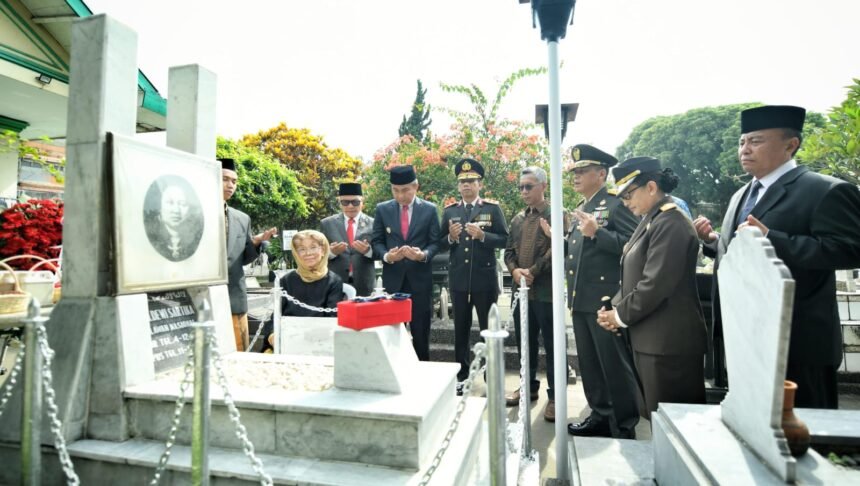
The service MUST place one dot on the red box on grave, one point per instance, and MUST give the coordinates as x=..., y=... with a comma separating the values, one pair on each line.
x=363, y=315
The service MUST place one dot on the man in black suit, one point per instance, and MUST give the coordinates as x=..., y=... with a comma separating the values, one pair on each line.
x=349, y=232
x=813, y=222
x=406, y=236
x=594, y=249
x=473, y=229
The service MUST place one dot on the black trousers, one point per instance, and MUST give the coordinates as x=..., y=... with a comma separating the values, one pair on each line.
x=463, y=304
x=816, y=385
x=420, y=326
x=608, y=377
x=540, y=322
x=670, y=379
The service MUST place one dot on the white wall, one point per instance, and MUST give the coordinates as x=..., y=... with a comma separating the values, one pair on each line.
x=9, y=172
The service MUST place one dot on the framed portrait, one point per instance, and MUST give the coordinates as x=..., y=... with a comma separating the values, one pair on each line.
x=168, y=218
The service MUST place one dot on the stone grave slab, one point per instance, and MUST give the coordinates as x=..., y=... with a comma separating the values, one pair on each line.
x=377, y=359
x=306, y=336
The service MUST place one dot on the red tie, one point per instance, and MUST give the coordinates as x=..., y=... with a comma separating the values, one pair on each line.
x=404, y=222
x=350, y=237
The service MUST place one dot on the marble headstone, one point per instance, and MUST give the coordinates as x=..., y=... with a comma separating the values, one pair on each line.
x=756, y=294
x=379, y=359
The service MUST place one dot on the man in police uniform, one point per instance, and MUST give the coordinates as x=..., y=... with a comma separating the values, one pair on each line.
x=473, y=229
x=594, y=248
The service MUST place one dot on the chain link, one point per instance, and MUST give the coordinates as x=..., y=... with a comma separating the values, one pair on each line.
x=301, y=304
x=241, y=432
x=50, y=401
x=257, y=335
x=475, y=368
x=177, y=414
x=515, y=298
x=13, y=378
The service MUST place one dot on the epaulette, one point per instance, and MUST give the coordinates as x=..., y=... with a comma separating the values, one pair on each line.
x=491, y=201
x=667, y=207
x=612, y=192
x=450, y=205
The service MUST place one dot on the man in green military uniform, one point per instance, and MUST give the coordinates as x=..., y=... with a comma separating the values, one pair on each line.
x=594, y=248
x=473, y=229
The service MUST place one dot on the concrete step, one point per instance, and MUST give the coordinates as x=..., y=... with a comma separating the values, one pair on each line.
x=133, y=462
x=600, y=461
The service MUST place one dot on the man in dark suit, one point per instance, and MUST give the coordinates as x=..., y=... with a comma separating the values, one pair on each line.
x=406, y=236
x=242, y=249
x=349, y=233
x=473, y=229
x=813, y=222
x=594, y=248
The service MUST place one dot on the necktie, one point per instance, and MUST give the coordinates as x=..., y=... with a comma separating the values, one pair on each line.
x=404, y=222
x=750, y=204
x=468, y=212
x=350, y=237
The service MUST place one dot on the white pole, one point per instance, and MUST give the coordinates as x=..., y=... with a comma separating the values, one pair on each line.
x=558, y=310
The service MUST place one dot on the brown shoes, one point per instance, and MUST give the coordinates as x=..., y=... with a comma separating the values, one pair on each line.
x=549, y=411
x=513, y=399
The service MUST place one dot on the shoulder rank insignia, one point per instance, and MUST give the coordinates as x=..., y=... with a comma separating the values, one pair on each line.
x=490, y=201
x=667, y=207
x=612, y=192
x=452, y=204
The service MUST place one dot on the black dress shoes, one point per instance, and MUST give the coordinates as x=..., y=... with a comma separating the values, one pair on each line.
x=590, y=427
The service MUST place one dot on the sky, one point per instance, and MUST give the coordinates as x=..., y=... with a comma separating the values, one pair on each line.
x=347, y=69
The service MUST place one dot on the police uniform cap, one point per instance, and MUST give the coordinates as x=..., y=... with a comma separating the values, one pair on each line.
x=584, y=155
x=469, y=169
x=349, y=189
x=401, y=175
x=772, y=116
x=628, y=171
x=228, y=164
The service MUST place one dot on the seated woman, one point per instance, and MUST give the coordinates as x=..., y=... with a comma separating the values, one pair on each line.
x=311, y=282
x=658, y=300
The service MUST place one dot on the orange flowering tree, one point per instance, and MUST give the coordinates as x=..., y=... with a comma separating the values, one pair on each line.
x=318, y=167
x=504, y=147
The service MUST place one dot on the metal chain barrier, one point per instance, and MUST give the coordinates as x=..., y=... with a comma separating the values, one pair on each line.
x=257, y=335
x=241, y=432
x=480, y=350
x=177, y=413
x=53, y=411
x=515, y=298
x=13, y=378
x=301, y=304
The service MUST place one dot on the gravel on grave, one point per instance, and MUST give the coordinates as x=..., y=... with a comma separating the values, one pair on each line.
x=289, y=376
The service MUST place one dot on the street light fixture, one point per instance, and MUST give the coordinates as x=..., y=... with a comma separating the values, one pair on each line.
x=568, y=114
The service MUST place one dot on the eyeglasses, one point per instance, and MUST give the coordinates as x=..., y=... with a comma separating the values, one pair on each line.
x=526, y=187
x=350, y=202
x=308, y=251
x=629, y=194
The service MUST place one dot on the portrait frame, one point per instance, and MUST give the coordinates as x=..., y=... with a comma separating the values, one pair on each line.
x=155, y=247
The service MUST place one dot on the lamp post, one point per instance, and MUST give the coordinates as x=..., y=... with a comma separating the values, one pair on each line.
x=568, y=114
x=554, y=17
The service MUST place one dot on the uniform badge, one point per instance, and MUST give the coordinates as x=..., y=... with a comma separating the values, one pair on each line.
x=603, y=202
x=575, y=154
x=466, y=166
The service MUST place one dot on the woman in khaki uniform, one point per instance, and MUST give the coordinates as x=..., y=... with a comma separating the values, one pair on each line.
x=658, y=300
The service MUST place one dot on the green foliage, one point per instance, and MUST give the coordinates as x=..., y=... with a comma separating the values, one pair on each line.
x=10, y=140
x=833, y=147
x=701, y=147
x=419, y=118
x=267, y=191
x=318, y=168
x=502, y=146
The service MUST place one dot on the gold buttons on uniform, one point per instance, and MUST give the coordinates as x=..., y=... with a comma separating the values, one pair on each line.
x=465, y=249
x=601, y=278
x=467, y=260
x=467, y=238
x=570, y=257
x=571, y=272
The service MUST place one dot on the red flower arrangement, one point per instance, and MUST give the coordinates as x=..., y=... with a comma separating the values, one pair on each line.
x=31, y=228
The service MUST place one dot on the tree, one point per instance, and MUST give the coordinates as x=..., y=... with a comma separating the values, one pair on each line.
x=267, y=191
x=502, y=146
x=834, y=147
x=701, y=147
x=419, y=118
x=319, y=169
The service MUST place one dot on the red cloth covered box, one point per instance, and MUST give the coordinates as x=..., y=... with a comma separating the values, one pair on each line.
x=363, y=315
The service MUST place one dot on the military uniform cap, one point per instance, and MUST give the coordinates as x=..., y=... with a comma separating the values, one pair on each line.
x=469, y=169
x=584, y=155
x=626, y=172
x=349, y=189
x=772, y=116
x=402, y=174
x=228, y=164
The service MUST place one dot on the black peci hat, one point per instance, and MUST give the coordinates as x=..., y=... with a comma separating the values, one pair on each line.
x=228, y=164
x=349, y=189
x=626, y=172
x=585, y=155
x=402, y=174
x=469, y=169
x=773, y=116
